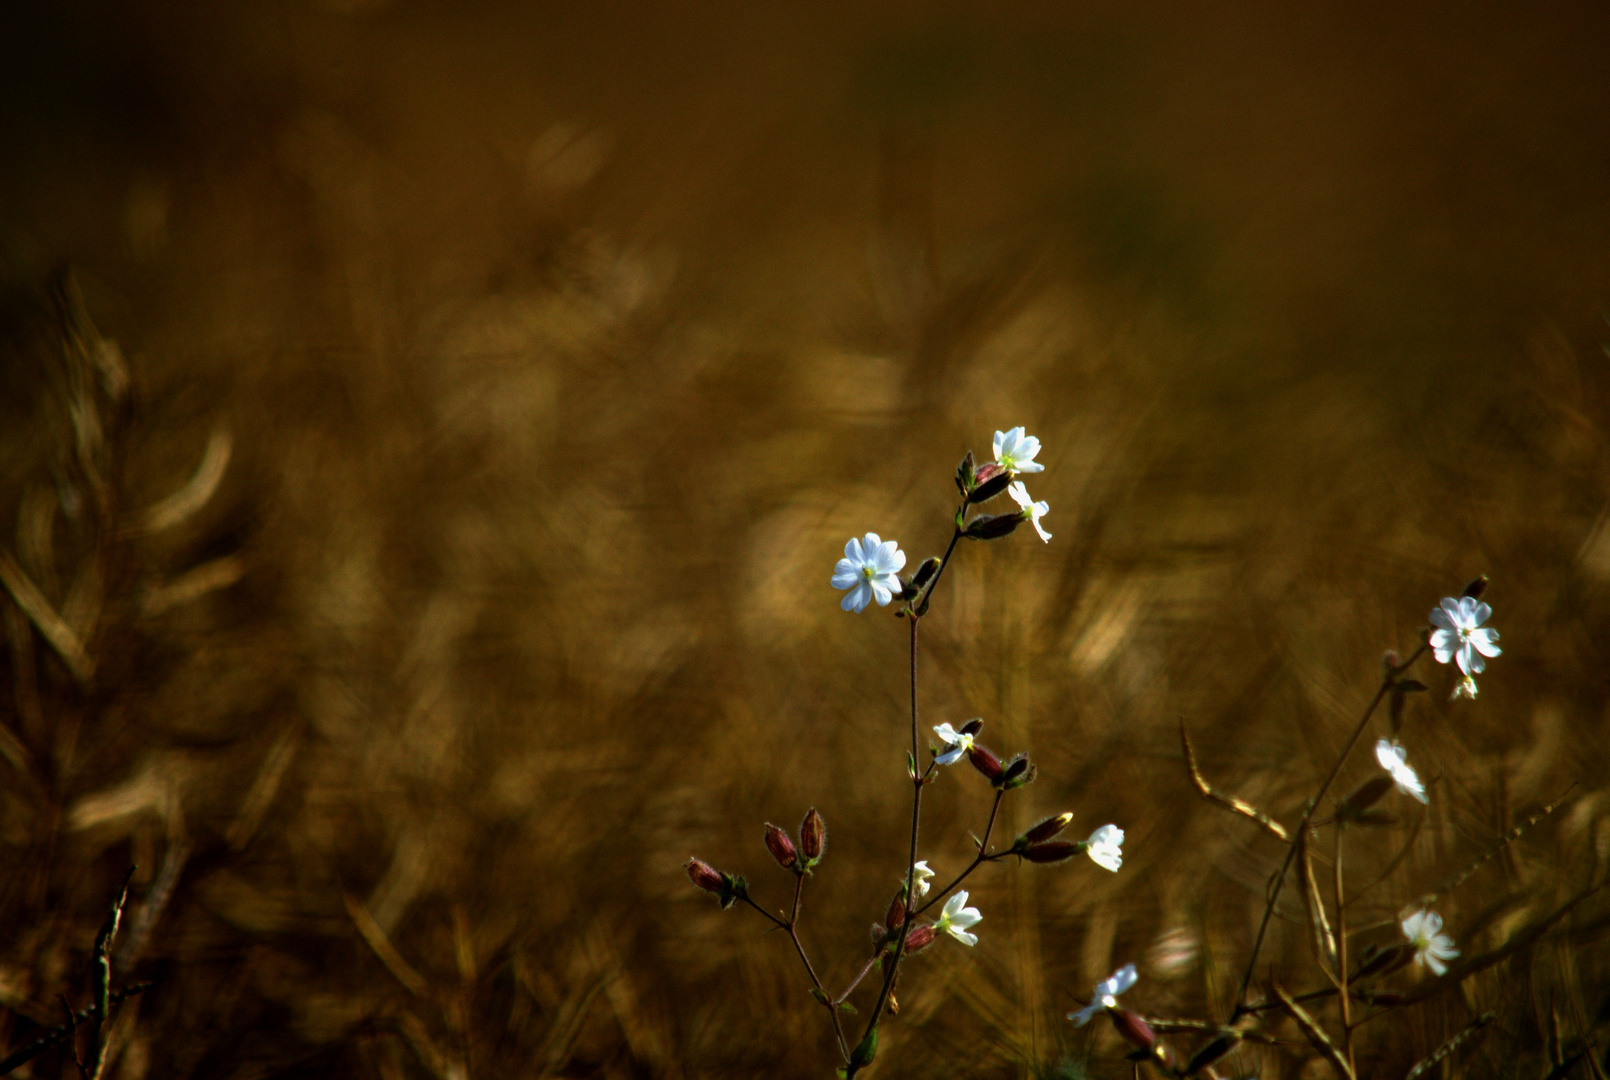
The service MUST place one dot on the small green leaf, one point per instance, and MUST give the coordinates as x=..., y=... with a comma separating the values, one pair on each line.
x=846, y=1007
x=866, y=1050
x=816, y=992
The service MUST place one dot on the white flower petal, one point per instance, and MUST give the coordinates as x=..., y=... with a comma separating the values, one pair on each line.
x=1121, y=980
x=962, y=936
x=1082, y=1017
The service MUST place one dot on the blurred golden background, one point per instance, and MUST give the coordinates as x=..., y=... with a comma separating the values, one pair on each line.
x=445, y=538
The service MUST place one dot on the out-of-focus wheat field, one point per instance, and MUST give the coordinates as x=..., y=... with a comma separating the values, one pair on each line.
x=434, y=426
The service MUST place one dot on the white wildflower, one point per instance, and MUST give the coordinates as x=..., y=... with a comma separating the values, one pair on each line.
x=1394, y=759
x=1032, y=510
x=870, y=570
x=957, y=743
x=1431, y=946
x=1107, y=992
x=1458, y=635
x=1015, y=451
x=1105, y=847
x=957, y=917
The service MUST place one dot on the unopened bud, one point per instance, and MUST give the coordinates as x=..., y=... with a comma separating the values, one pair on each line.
x=1046, y=829
x=985, y=762
x=1135, y=1031
x=880, y=934
x=1390, y=661
x=781, y=847
x=1052, y=851
x=925, y=572
x=1018, y=772
x=988, y=489
x=896, y=915
x=964, y=474
x=1363, y=797
x=866, y=1049
x=973, y=726
x=812, y=836
x=1476, y=588
x=992, y=526
x=919, y=937
x=705, y=876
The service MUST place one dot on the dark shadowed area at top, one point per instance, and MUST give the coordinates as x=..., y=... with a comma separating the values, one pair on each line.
x=440, y=555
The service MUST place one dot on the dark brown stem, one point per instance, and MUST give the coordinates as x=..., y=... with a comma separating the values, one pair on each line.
x=1302, y=828
x=793, y=935
x=1343, y=998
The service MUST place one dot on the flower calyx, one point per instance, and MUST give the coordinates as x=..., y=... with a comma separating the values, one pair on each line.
x=782, y=848
x=727, y=888
x=812, y=840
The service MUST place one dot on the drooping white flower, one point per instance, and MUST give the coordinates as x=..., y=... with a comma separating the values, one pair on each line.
x=956, y=917
x=1015, y=451
x=1394, y=759
x=870, y=570
x=957, y=743
x=1105, y=847
x=1107, y=992
x=1458, y=634
x=921, y=876
x=1032, y=510
x=1431, y=946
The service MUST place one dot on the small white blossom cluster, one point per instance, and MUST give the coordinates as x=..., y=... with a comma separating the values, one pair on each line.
x=1432, y=948
x=870, y=569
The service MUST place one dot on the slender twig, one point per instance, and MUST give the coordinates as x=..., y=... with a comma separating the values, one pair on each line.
x=1316, y=1034
x=792, y=926
x=1343, y=998
x=1302, y=826
x=865, y=968
x=984, y=855
x=62, y=1032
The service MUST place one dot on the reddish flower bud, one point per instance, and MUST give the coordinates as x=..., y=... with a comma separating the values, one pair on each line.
x=705, y=876
x=1052, y=851
x=1476, y=588
x=985, y=762
x=964, y=474
x=781, y=847
x=919, y=937
x=1017, y=772
x=925, y=572
x=988, y=471
x=1046, y=829
x=896, y=915
x=992, y=526
x=988, y=489
x=1135, y=1031
x=812, y=836
x=973, y=726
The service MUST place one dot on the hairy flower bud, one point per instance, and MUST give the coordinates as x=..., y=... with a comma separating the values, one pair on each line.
x=988, y=489
x=1363, y=797
x=992, y=526
x=985, y=762
x=705, y=876
x=1018, y=771
x=812, y=836
x=964, y=474
x=1052, y=851
x=781, y=847
x=1046, y=829
x=1135, y=1031
x=1476, y=588
x=919, y=937
x=896, y=915
x=973, y=726
x=925, y=572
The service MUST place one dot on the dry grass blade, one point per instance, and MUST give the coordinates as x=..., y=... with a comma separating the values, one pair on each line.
x=567, y=1023
x=1229, y=802
x=179, y=506
x=439, y=1064
x=260, y=796
x=1316, y=1034
x=50, y=624
x=412, y=980
x=1450, y=1046
x=1324, y=940
x=194, y=583
x=1479, y=861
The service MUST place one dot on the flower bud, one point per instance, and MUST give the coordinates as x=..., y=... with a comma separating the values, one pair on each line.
x=919, y=937
x=1390, y=661
x=925, y=572
x=866, y=1049
x=781, y=847
x=1046, y=829
x=1052, y=851
x=987, y=473
x=896, y=915
x=1135, y=1031
x=985, y=762
x=1363, y=797
x=992, y=526
x=812, y=836
x=1476, y=588
x=1018, y=772
x=705, y=876
x=990, y=488
x=964, y=474
x=973, y=726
